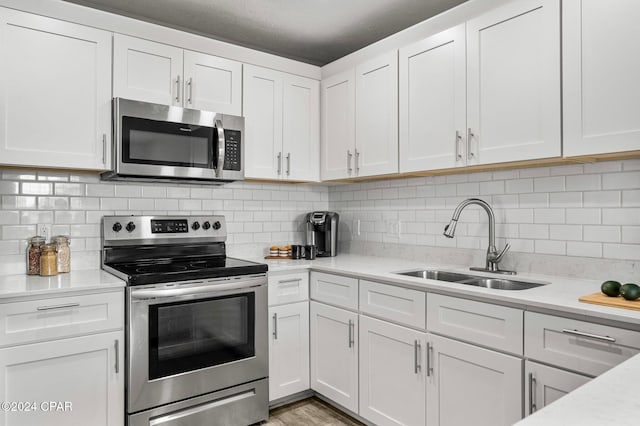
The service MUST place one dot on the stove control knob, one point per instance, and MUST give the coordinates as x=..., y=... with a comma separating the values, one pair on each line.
x=195, y=226
x=217, y=225
x=206, y=226
x=130, y=227
x=117, y=227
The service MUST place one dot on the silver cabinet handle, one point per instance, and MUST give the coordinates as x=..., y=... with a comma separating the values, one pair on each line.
x=178, y=89
x=357, y=161
x=288, y=163
x=275, y=326
x=458, y=151
x=351, y=332
x=416, y=357
x=532, y=390
x=279, y=163
x=222, y=147
x=190, y=93
x=349, y=155
x=470, y=135
x=52, y=307
x=117, y=350
x=429, y=353
x=104, y=148
x=589, y=335
x=292, y=280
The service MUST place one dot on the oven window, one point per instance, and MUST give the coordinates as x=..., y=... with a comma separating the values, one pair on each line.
x=166, y=144
x=190, y=335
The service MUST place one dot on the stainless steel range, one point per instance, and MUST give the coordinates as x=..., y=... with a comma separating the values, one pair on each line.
x=196, y=347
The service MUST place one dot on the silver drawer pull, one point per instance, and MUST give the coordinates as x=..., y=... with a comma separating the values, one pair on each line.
x=416, y=357
x=589, y=335
x=275, y=326
x=52, y=307
x=532, y=391
x=292, y=280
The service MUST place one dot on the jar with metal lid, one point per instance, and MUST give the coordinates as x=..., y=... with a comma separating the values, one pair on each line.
x=64, y=252
x=33, y=255
x=48, y=260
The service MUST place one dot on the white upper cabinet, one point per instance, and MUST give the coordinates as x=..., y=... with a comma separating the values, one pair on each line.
x=513, y=82
x=147, y=71
x=338, y=126
x=376, y=149
x=433, y=102
x=212, y=83
x=281, y=125
x=600, y=76
x=301, y=128
x=153, y=72
x=55, y=93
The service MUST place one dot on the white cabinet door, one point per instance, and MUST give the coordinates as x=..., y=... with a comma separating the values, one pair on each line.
x=513, y=82
x=55, y=93
x=600, y=76
x=338, y=126
x=377, y=116
x=468, y=385
x=262, y=101
x=433, y=102
x=147, y=71
x=288, y=349
x=546, y=384
x=212, y=83
x=392, y=377
x=301, y=128
x=85, y=372
x=334, y=354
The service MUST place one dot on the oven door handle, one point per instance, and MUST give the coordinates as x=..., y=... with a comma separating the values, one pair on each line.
x=205, y=289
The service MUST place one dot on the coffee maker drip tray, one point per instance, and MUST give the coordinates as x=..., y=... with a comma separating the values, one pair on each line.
x=322, y=232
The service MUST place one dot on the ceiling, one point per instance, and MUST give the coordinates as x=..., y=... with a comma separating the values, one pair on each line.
x=311, y=31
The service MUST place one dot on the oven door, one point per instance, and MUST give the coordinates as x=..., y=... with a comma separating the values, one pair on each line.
x=188, y=339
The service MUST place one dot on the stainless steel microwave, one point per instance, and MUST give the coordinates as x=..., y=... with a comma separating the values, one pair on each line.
x=154, y=142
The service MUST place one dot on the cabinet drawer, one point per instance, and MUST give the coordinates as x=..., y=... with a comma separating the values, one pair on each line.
x=335, y=290
x=397, y=304
x=485, y=324
x=577, y=345
x=58, y=317
x=288, y=288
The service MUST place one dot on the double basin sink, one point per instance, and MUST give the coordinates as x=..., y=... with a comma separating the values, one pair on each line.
x=475, y=280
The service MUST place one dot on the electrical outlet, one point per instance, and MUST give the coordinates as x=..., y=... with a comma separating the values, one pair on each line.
x=44, y=230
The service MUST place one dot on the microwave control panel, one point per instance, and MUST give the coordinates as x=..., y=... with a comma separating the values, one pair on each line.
x=232, y=160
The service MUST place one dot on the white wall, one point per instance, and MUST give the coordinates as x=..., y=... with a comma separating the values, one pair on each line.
x=257, y=214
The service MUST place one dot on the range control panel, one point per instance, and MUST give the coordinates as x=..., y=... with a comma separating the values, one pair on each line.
x=149, y=228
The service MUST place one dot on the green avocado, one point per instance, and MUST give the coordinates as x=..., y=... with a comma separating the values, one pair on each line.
x=630, y=291
x=611, y=288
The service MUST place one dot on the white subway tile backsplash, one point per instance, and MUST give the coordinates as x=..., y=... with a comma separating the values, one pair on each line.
x=166, y=204
x=622, y=216
x=537, y=200
x=114, y=204
x=9, y=217
x=18, y=202
x=18, y=232
x=549, y=184
x=631, y=198
x=77, y=189
x=603, y=234
x=491, y=188
x=53, y=203
x=154, y=192
x=601, y=199
x=584, y=182
x=565, y=232
x=631, y=234
x=625, y=180
x=8, y=187
x=621, y=251
x=33, y=217
x=101, y=190
x=565, y=199
x=37, y=188
x=141, y=204
x=584, y=216
x=518, y=186
x=543, y=215
x=583, y=249
x=130, y=191
x=84, y=203
x=550, y=247
x=531, y=231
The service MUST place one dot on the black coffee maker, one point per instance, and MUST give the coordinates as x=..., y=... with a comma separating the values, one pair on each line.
x=322, y=232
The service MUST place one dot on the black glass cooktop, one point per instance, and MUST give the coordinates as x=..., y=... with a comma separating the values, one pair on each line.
x=167, y=270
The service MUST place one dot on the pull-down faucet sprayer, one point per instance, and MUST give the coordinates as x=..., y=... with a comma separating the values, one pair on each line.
x=493, y=257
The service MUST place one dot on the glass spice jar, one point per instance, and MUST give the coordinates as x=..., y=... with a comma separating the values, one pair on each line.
x=64, y=253
x=33, y=255
x=48, y=260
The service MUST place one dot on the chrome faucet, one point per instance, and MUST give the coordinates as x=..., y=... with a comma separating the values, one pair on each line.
x=493, y=257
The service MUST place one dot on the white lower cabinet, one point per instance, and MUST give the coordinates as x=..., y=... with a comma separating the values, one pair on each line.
x=334, y=354
x=288, y=349
x=392, y=373
x=468, y=385
x=546, y=384
x=76, y=381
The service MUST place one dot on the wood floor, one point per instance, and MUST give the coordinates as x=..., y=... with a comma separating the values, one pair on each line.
x=309, y=412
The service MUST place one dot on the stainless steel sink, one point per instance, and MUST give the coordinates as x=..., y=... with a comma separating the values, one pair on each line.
x=475, y=280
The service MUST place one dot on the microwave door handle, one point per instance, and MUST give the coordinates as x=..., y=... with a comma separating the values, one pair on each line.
x=221, y=148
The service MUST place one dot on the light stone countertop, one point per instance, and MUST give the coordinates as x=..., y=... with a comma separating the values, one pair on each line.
x=559, y=296
x=22, y=285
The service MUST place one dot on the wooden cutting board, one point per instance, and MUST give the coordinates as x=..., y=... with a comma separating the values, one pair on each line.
x=616, y=302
